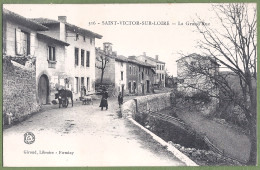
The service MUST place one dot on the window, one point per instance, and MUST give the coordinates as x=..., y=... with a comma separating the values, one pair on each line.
x=22, y=42
x=130, y=70
x=51, y=53
x=82, y=57
x=142, y=75
x=157, y=67
x=162, y=76
x=51, y=57
x=121, y=64
x=84, y=38
x=82, y=81
x=122, y=75
x=76, y=84
x=88, y=83
x=76, y=56
x=193, y=63
x=92, y=41
x=162, y=67
x=133, y=69
x=87, y=59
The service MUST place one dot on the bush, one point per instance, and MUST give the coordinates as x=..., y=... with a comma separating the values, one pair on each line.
x=201, y=97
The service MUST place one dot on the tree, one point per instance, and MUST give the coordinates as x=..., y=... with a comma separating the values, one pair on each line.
x=233, y=45
x=102, y=58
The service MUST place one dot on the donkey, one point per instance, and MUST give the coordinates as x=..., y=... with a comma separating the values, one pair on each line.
x=63, y=96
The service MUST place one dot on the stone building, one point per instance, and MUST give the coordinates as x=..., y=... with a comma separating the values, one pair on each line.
x=127, y=75
x=20, y=95
x=196, y=73
x=140, y=76
x=115, y=70
x=159, y=79
x=79, y=62
x=50, y=70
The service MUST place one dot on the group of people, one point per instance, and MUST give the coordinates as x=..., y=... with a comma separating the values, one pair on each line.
x=104, y=98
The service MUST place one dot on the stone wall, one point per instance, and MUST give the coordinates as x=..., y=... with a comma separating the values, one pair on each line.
x=145, y=104
x=19, y=92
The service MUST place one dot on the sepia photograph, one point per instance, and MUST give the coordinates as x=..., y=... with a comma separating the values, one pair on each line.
x=129, y=85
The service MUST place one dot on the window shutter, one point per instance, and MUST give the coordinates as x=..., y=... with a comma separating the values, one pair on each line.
x=18, y=49
x=48, y=53
x=54, y=54
x=32, y=43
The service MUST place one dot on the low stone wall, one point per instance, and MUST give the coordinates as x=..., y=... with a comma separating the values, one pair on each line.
x=19, y=91
x=145, y=104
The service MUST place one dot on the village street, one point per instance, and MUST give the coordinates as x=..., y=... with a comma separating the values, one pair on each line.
x=89, y=136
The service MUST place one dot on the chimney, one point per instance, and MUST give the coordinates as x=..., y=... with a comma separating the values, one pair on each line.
x=62, y=18
x=144, y=53
x=156, y=57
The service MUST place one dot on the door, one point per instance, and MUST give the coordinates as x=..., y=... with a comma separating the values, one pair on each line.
x=148, y=86
x=123, y=89
x=43, y=90
x=129, y=87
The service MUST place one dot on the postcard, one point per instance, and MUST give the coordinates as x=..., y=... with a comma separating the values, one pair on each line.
x=109, y=85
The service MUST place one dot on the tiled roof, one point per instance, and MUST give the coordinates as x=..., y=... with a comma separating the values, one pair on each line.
x=121, y=58
x=197, y=55
x=44, y=36
x=46, y=21
x=22, y=20
x=140, y=62
x=153, y=59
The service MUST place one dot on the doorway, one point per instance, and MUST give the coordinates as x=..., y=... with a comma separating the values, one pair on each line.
x=43, y=89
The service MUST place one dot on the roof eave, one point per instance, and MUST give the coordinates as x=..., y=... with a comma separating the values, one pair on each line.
x=52, y=39
x=22, y=20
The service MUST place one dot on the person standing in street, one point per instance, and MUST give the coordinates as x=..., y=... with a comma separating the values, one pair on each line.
x=103, y=102
x=120, y=102
x=120, y=99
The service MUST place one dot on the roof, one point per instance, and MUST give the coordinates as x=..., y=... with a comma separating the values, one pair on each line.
x=46, y=21
x=140, y=63
x=24, y=21
x=153, y=59
x=197, y=55
x=121, y=58
x=47, y=37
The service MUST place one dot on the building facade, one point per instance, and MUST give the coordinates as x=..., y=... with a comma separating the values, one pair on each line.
x=159, y=79
x=140, y=76
x=22, y=40
x=79, y=60
x=196, y=73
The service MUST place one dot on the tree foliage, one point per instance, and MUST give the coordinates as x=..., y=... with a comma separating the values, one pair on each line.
x=233, y=45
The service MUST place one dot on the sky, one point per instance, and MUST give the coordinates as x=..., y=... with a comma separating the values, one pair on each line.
x=166, y=41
